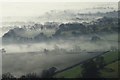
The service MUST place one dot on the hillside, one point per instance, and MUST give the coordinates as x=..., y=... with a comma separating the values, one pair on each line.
x=111, y=61
x=50, y=30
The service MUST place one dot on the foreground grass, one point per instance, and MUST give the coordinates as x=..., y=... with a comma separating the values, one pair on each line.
x=111, y=70
x=71, y=73
x=109, y=57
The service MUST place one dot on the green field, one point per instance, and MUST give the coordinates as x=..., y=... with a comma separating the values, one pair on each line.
x=111, y=70
x=111, y=56
x=108, y=57
x=71, y=73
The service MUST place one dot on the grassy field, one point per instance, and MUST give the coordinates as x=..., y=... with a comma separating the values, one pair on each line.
x=71, y=73
x=111, y=70
x=109, y=57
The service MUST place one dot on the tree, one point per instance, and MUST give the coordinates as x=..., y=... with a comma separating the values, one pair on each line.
x=48, y=73
x=30, y=75
x=75, y=33
x=7, y=76
x=100, y=62
x=90, y=69
x=3, y=50
x=57, y=33
x=46, y=51
x=95, y=38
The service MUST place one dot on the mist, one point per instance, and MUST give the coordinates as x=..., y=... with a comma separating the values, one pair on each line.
x=20, y=58
x=84, y=42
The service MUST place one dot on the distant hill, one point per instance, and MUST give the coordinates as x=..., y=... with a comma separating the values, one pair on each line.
x=40, y=32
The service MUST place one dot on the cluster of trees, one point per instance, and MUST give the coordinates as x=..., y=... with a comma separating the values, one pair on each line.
x=104, y=24
x=45, y=74
x=95, y=38
x=3, y=50
x=90, y=68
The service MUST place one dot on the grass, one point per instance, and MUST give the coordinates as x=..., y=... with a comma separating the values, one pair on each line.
x=109, y=57
x=76, y=71
x=111, y=70
x=71, y=73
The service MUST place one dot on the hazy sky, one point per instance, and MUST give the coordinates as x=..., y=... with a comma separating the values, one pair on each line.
x=35, y=9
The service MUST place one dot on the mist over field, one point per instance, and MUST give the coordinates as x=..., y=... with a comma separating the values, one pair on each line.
x=84, y=43
x=18, y=57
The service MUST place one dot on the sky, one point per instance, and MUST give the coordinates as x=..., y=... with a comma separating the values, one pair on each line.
x=39, y=8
